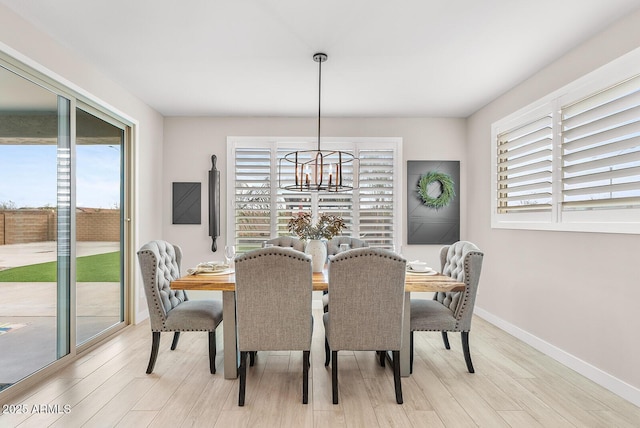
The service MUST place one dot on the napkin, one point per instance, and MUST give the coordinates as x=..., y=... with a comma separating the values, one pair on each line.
x=208, y=267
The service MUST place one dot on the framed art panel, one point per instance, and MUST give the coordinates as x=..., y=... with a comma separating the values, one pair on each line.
x=433, y=202
x=186, y=203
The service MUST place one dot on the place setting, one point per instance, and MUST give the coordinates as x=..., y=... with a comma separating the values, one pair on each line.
x=417, y=267
x=216, y=267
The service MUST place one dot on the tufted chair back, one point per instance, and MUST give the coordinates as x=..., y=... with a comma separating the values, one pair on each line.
x=463, y=262
x=287, y=242
x=333, y=247
x=160, y=264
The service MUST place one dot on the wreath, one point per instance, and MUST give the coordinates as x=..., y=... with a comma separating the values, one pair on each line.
x=447, y=191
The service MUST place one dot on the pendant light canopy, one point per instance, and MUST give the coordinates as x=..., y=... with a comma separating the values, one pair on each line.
x=317, y=170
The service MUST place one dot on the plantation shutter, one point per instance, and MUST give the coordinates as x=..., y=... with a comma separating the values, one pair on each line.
x=341, y=203
x=289, y=203
x=524, y=166
x=252, y=198
x=376, y=197
x=601, y=149
x=262, y=209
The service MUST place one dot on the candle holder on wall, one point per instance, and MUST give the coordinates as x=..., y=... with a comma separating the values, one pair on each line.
x=214, y=203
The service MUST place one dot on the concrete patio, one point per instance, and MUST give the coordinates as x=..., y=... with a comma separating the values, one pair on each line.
x=32, y=307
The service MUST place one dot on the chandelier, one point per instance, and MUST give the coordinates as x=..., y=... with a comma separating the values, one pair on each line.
x=317, y=170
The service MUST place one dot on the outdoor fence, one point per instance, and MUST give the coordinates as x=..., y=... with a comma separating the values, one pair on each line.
x=39, y=225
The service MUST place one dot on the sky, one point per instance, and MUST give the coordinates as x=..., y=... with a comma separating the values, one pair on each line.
x=28, y=176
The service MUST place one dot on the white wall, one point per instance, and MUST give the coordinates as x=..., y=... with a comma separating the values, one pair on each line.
x=574, y=295
x=21, y=40
x=190, y=142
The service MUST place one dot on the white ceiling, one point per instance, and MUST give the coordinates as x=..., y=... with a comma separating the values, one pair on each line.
x=386, y=58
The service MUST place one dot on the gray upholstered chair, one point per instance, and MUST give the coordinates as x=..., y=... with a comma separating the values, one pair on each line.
x=287, y=242
x=367, y=304
x=171, y=310
x=451, y=311
x=273, y=307
x=333, y=248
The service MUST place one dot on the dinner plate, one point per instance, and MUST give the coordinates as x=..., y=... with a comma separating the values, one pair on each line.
x=222, y=272
x=429, y=272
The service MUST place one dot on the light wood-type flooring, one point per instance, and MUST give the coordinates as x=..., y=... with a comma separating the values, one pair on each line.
x=514, y=386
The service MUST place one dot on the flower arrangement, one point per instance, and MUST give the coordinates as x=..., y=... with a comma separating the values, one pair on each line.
x=326, y=227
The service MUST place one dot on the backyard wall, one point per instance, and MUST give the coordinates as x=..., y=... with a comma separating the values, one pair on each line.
x=39, y=225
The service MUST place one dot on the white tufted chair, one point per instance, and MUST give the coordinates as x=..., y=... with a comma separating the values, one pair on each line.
x=451, y=311
x=171, y=310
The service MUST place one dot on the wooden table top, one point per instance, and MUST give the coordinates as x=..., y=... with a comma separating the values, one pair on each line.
x=227, y=282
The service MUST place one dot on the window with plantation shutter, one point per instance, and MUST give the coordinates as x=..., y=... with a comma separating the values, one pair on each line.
x=601, y=149
x=377, y=197
x=525, y=167
x=571, y=161
x=251, y=192
x=260, y=210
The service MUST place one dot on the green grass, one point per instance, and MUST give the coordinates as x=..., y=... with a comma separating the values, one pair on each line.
x=98, y=268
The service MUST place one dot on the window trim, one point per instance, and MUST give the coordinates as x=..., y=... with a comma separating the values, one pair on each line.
x=361, y=143
x=624, y=220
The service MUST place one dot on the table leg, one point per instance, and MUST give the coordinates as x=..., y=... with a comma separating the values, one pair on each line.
x=230, y=338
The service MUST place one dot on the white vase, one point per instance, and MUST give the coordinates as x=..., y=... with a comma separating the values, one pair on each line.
x=317, y=249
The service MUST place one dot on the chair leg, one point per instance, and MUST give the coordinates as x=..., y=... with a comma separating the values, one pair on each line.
x=334, y=376
x=465, y=349
x=155, y=344
x=445, y=339
x=174, y=343
x=252, y=358
x=327, y=352
x=305, y=376
x=243, y=377
x=411, y=353
x=396, y=376
x=212, y=352
x=382, y=356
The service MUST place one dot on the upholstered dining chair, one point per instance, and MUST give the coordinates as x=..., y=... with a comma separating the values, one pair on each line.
x=451, y=311
x=171, y=310
x=273, y=307
x=287, y=242
x=333, y=248
x=366, y=311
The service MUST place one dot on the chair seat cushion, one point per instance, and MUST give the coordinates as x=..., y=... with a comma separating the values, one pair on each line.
x=431, y=315
x=195, y=315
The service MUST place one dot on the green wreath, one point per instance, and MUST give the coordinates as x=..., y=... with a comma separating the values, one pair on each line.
x=447, y=191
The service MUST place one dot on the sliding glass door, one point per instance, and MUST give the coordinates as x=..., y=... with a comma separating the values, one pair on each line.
x=62, y=186
x=99, y=197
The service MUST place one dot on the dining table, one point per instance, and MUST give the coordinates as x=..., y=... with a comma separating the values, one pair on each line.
x=226, y=282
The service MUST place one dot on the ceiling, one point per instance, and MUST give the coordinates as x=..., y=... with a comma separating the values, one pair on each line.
x=435, y=58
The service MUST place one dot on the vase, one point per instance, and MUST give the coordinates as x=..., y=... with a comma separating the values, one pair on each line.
x=317, y=249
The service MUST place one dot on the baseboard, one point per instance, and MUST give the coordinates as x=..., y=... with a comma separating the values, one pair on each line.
x=613, y=384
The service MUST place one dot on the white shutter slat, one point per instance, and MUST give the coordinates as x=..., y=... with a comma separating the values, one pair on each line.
x=611, y=148
x=605, y=175
x=608, y=162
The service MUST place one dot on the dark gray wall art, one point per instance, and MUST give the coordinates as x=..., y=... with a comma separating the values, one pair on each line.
x=429, y=222
x=186, y=203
